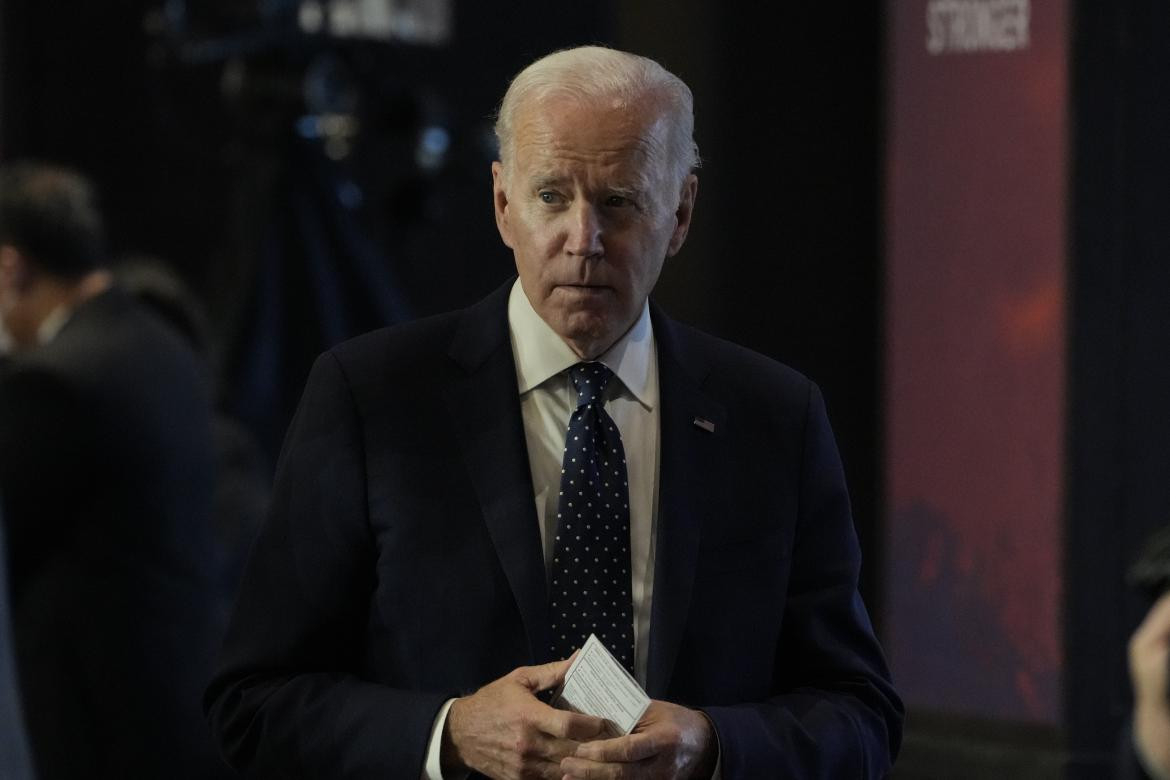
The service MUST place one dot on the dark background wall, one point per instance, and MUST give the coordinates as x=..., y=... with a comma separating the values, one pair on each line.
x=1119, y=427
x=785, y=253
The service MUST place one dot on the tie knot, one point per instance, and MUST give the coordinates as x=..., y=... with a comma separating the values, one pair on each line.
x=590, y=380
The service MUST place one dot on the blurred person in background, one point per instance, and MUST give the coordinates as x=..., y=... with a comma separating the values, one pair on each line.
x=1146, y=749
x=106, y=469
x=243, y=474
x=1149, y=666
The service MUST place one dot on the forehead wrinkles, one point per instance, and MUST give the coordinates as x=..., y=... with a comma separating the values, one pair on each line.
x=568, y=132
x=629, y=156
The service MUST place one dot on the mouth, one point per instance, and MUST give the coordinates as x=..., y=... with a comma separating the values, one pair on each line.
x=583, y=293
x=584, y=287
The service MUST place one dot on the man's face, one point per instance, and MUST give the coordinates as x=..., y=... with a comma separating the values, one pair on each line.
x=17, y=331
x=591, y=208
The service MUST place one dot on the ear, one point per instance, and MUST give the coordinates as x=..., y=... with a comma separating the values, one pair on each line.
x=682, y=215
x=500, y=203
x=13, y=267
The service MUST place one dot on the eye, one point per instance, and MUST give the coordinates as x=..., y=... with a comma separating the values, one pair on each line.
x=549, y=197
x=618, y=201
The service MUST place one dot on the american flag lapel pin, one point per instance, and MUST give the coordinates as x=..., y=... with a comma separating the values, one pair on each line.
x=706, y=425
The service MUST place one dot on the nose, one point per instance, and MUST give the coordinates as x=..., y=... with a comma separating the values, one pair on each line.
x=584, y=231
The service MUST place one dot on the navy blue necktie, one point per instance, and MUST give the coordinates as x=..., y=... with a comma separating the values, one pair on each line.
x=590, y=573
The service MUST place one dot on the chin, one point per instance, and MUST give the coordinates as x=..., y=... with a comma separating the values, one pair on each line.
x=588, y=339
x=583, y=325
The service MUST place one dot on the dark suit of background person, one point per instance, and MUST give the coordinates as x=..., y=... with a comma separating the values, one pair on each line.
x=106, y=472
x=243, y=474
x=401, y=564
x=15, y=763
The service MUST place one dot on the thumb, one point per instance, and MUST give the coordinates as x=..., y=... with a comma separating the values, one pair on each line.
x=545, y=676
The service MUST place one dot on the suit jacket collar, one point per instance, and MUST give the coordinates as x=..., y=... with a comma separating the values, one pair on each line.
x=89, y=316
x=484, y=401
x=109, y=302
x=690, y=484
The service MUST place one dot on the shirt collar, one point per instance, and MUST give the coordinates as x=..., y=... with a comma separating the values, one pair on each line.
x=540, y=354
x=51, y=325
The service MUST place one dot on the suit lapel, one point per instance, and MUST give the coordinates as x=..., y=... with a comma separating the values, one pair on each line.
x=690, y=484
x=485, y=404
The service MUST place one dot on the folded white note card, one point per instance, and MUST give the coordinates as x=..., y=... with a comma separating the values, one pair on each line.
x=596, y=684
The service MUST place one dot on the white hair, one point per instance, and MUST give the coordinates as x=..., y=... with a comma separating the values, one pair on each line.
x=596, y=73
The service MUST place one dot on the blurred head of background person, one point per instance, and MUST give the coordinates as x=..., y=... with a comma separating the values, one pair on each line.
x=106, y=478
x=1148, y=751
x=52, y=247
x=1149, y=659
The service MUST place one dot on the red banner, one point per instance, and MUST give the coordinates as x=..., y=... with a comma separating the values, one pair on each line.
x=976, y=298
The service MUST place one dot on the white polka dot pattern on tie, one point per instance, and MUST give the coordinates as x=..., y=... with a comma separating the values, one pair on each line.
x=590, y=590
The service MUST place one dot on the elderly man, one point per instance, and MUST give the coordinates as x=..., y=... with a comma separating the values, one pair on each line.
x=463, y=500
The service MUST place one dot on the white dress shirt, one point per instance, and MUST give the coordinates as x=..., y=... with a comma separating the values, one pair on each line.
x=547, y=400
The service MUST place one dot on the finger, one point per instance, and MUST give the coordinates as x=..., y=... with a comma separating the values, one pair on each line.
x=548, y=771
x=540, y=747
x=548, y=764
x=581, y=769
x=621, y=750
x=545, y=676
x=556, y=749
x=565, y=724
x=536, y=755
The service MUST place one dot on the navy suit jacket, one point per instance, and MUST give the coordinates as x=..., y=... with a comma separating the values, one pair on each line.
x=401, y=563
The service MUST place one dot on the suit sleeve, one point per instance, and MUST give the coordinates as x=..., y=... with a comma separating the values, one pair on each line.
x=835, y=713
x=288, y=699
x=45, y=444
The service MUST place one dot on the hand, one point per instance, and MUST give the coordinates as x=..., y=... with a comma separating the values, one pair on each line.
x=670, y=741
x=1149, y=656
x=504, y=731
